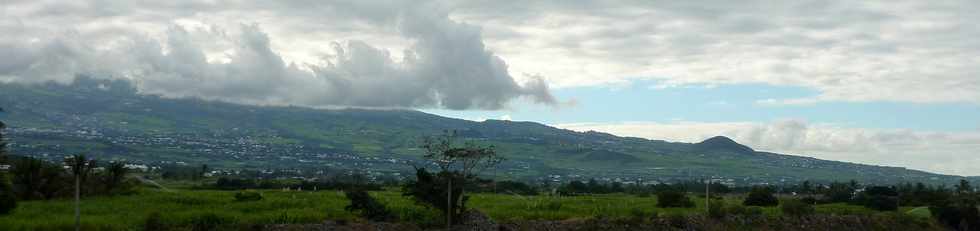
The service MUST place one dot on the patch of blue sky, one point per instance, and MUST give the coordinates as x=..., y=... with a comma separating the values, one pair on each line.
x=642, y=101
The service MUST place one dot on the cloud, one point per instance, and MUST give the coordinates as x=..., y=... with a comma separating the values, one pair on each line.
x=899, y=51
x=175, y=52
x=896, y=51
x=943, y=152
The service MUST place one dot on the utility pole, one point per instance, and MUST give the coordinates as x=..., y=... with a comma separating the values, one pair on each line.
x=707, y=196
x=449, y=203
x=449, y=195
x=78, y=212
x=495, y=179
x=80, y=166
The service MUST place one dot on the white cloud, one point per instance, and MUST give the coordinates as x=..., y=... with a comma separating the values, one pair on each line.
x=902, y=51
x=204, y=50
x=943, y=152
x=451, y=54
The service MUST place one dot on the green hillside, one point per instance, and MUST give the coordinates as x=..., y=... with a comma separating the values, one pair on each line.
x=110, y=120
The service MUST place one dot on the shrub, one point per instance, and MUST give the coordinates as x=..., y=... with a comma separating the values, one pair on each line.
x=753, y=211
x=639, y=214
x=549, y=205
x=653, y=214
x=743, y=211
x=717, y=209
x=960, y=216
x=153, y=222
x=369, y=208
x=8, y=201
x=421, y=216
x=248, y=196
x=839, y=192
x=809, y=200
x=761, y=196
x=207, y=221
x=431, y=189
x=882, y=203
x=515, y=188
x=796, y=208
x=284, y=218
x=879, y=198
x=673, y=199
x=737, y=209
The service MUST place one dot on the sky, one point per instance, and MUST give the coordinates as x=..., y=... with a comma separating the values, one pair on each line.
x=878, y=82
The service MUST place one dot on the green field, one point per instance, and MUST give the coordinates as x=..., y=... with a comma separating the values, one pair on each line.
x=183, y=207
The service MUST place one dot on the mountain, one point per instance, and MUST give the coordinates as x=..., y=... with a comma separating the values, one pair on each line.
x=722, y=144
x=110, y=120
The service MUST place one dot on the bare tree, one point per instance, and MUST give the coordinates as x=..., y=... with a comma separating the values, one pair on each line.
x=464, y=160
x=467, y=158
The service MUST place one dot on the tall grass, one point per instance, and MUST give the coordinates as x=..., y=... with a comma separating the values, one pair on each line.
x=185, y=208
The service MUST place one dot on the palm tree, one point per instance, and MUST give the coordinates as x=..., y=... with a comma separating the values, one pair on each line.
x=80, y=167
x=115, y=174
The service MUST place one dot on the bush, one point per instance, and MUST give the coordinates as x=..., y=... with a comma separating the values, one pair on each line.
x=248, y=196
x=369, y=208
x=796, y=208
x=546, y=204
x=809, y=200
x=736, y=209
x=879, y=198
x=284, y=218
x=753, y=211
x=961, y=216
x=8, y=201
x=743, y=211
x=153, y=222
x=421, y=216
x=514, y=187
x=639, y=214
x=673, y=199
x=882, y=203
x=717, y=209
x=431, y=189
x=207, y=221
x=761, y=196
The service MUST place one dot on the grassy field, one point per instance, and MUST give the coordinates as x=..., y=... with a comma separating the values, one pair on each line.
x=183, y=207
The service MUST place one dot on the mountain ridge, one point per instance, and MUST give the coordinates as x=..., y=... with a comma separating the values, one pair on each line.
x=109, y=119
